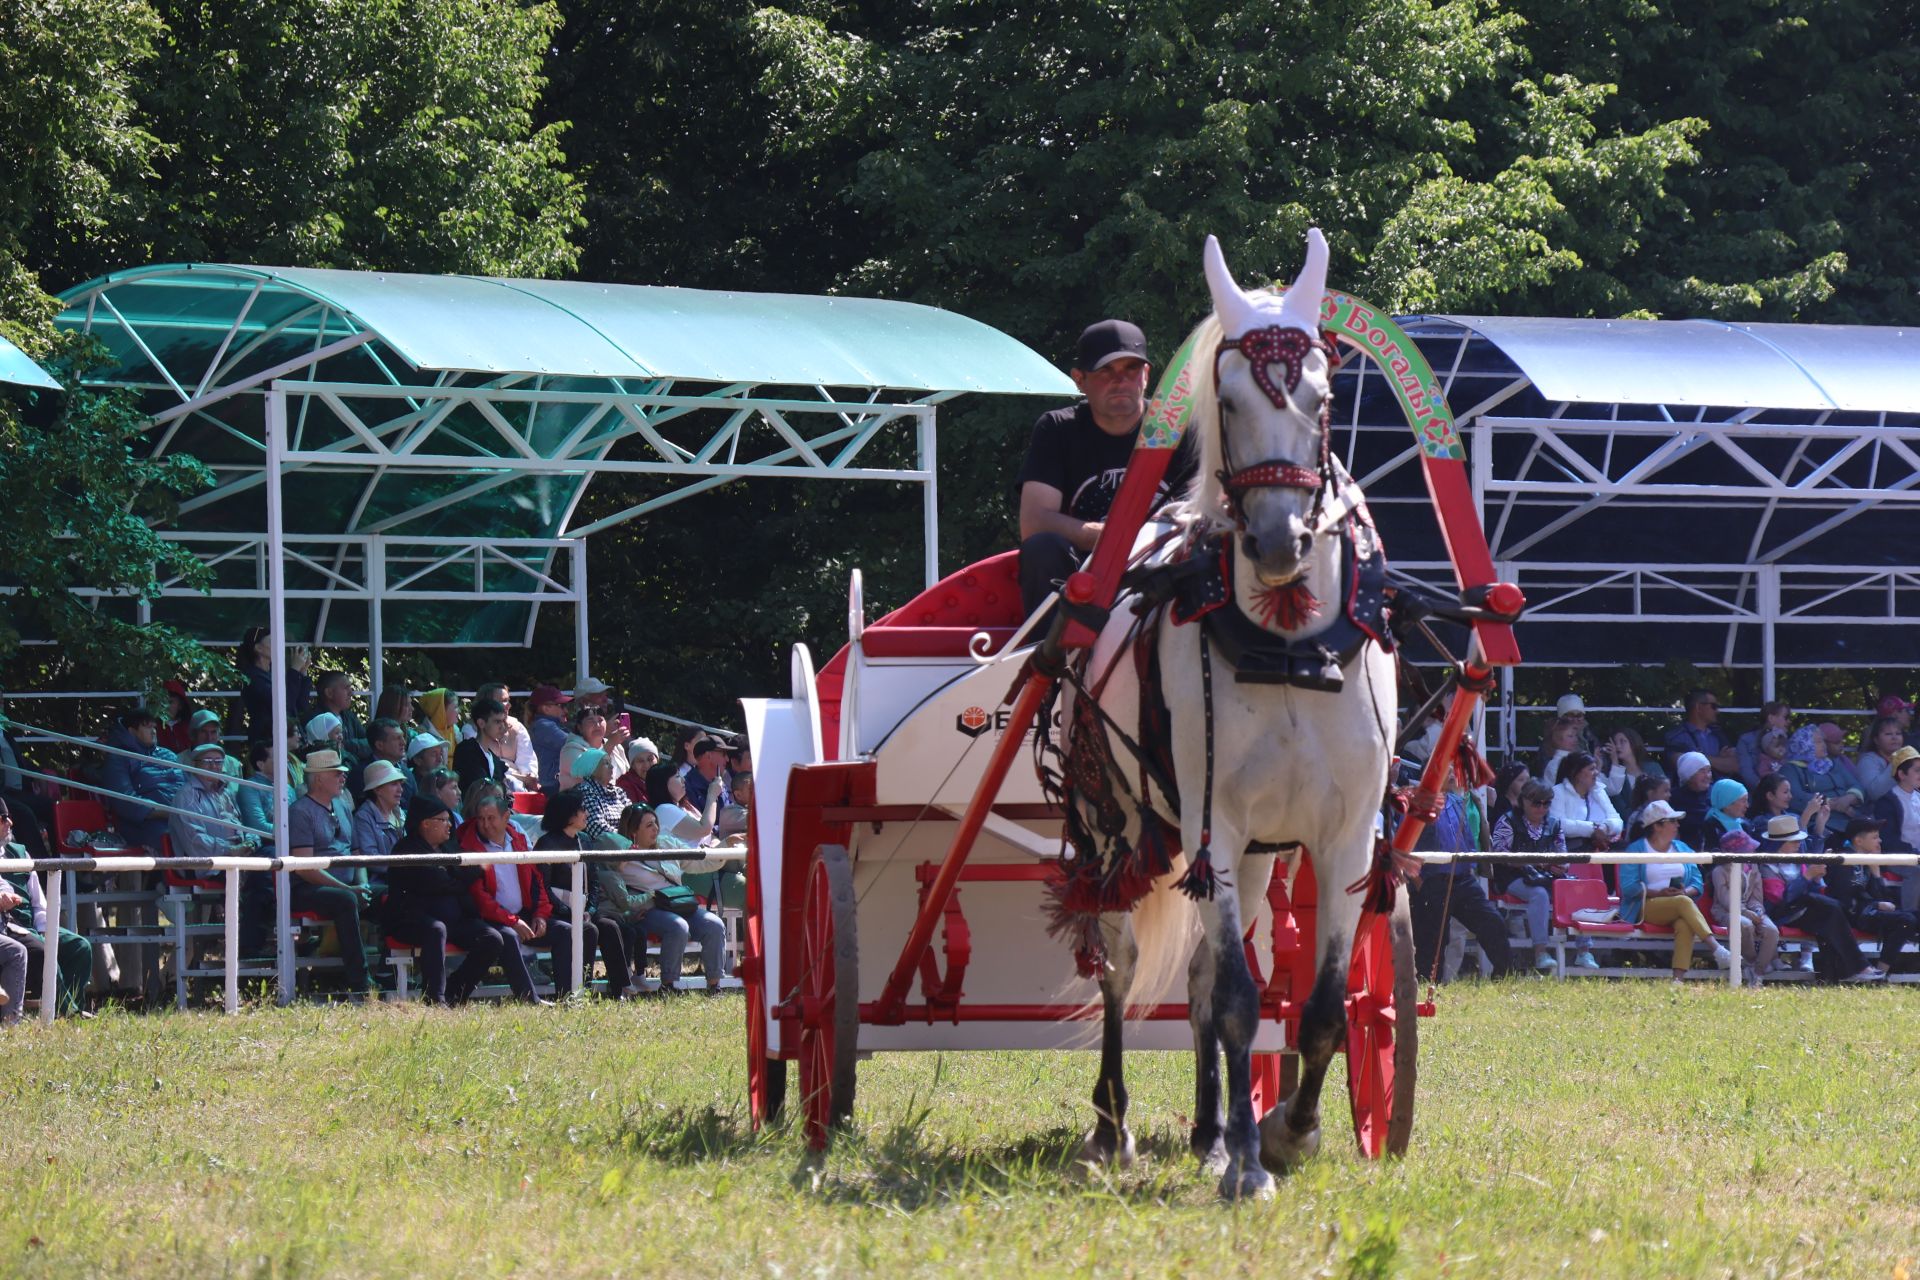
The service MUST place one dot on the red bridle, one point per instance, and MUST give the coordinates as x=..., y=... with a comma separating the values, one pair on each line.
x=1264, y=350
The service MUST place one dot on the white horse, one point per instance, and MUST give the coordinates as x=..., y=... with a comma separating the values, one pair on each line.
x=1288, y=763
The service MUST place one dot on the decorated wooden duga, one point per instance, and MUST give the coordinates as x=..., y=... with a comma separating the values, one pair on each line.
x=906, y=861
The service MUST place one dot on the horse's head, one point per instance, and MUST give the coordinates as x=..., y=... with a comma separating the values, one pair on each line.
x=1273, y=374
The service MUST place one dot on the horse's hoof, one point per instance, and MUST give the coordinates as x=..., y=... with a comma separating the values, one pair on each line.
x=1105, y=1149
x=1281, y=1149
x=1212, y=1154
x=1250, y=1182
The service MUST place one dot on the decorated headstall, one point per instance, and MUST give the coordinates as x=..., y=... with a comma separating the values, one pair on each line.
x=1269, y=350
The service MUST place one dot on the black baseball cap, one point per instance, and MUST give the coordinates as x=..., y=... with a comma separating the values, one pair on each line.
x=1109, y=340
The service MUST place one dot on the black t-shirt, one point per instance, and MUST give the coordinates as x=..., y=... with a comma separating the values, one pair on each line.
x=1070, y=452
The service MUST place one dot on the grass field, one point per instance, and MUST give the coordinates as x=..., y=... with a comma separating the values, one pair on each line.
x=1578, y=1129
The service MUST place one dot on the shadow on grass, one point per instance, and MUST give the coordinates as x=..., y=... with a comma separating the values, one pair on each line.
x=900, y=1166
x=692, y=1135
x=901, y=1169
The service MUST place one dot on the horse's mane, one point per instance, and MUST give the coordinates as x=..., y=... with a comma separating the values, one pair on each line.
x=1204, y=505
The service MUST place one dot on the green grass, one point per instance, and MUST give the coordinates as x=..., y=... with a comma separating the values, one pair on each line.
x=1578, y=1129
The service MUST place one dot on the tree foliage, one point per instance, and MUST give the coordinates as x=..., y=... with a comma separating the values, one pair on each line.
x=1035, y=166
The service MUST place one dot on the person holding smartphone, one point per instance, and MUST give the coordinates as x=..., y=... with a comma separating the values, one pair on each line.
x=1668, y=893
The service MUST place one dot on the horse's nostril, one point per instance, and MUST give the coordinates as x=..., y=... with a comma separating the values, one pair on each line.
x=1253, y=547
x=1304, y=544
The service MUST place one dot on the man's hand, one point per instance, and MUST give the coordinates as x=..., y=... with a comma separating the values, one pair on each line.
x=539, y=926
x=521, y=929
x=8, y=898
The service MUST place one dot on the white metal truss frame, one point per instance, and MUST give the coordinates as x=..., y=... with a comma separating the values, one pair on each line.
x=1578, y=459
x=492, y=430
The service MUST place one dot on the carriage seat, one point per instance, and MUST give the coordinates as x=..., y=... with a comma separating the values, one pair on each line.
x=941, y=621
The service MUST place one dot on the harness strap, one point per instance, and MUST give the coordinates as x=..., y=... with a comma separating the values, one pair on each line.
x=1200, y=879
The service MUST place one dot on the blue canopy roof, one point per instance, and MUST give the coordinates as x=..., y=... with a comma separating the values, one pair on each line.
x=1859, y=368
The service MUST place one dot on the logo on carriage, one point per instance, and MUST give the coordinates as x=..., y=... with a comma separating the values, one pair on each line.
x=973, y=722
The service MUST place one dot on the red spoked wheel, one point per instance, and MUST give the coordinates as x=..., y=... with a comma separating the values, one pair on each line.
x=1383, y=1030
x=829, y=995
x=766, y=1075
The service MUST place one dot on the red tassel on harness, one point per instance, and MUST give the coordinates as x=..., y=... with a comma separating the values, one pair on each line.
x=1200, y=879
x=1287, y=607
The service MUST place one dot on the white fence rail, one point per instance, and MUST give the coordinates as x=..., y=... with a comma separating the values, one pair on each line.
x=578, y=859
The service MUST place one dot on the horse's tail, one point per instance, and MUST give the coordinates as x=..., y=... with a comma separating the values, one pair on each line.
x=1165, y=930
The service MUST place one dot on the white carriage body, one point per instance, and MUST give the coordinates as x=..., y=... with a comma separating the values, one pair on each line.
x=928, y=724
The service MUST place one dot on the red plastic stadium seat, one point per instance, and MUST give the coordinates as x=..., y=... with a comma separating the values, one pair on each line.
x=1570, y=896
x=1588, y=871
x=533, y=802
x=77, y=815
x=186, y=879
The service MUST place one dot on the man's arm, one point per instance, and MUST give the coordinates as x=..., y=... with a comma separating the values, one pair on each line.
x=1040, y=513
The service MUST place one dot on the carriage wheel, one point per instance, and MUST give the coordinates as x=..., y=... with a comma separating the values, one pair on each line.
x=766, y=1075
x=1382, y=1030
x=829, y=995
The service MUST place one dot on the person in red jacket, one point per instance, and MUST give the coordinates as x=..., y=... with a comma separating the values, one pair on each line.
x=512, y=897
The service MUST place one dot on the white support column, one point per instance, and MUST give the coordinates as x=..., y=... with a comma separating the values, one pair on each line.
x=376, y=620
x=231, y=945
x=1736, y=890
x=277, y=627
x=1769, y=611
x=577, y=914
x=582, y=647
x=50, y=951
x=929, y=495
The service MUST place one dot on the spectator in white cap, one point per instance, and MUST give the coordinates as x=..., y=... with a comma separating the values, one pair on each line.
x=380, y=820
x=205, y=728
x=215, y=830
x=426, y=752
x=595, y=693
x=1692, y=796
x=1668, y=892
x=327, y=730
x=642, y=755
x=1572, y=707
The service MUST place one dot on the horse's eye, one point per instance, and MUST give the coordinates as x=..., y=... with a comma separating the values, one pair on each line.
x=1229, y=406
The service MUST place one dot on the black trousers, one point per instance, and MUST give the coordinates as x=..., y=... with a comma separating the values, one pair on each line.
x=342, y=908
x=613, y=953
x=1838, y=955
x=1894, y=929
x=481, y=943
x=1045, y=561
x=1433, y=907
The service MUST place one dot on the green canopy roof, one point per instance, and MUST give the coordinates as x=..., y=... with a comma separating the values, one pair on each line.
x=435, y=412
x=19, y=369
x=479, y=324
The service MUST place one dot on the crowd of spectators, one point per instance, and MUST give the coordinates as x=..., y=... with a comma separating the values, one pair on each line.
x=1785, y=786
x=423, y=773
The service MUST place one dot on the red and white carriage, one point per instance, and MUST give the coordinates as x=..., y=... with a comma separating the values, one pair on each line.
x=899, y=849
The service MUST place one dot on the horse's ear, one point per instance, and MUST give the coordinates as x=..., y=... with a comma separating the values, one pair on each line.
x=1302, y=306
x=1235, y=312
